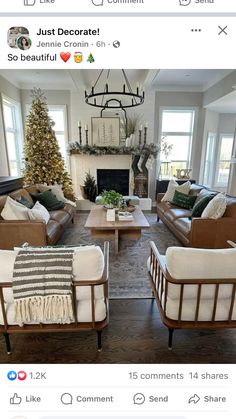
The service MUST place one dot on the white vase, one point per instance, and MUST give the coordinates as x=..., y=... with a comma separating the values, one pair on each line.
x=128, y=142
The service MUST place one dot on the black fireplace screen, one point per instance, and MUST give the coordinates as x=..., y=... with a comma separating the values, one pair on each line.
x=113, y=179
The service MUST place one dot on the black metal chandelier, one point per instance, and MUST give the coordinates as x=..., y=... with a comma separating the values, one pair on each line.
x=113, y=99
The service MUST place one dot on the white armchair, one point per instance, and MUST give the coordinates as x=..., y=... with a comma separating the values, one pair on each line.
x=194, y=288
x=89, y=295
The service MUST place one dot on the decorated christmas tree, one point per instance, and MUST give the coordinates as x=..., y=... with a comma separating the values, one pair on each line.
x=43, y=160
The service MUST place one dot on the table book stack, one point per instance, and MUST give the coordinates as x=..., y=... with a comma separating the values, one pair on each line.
x=125, y=216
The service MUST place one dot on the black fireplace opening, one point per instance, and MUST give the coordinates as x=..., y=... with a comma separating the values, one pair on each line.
x=113, y=179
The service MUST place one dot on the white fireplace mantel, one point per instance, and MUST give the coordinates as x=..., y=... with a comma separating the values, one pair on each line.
x=83, y=163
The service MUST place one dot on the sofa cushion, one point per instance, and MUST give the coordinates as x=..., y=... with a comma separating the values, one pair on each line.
x=195, y=189
x=193, y=263
x=230, y=211
x=201, y=204
x=205, y=310
x=57, y=192
x=39, y=213
x=3, y=199
x=22, y=200
x=183, y=200
x=174, y=186
x=183, y=225
x=204, y=192
x=68, y=208
x=48, y=200
x=172, y=213
x=13, y=210
x=53, y=231
x=61, y=216
x=163, y=207
x=216, y=207
x=83, y=270
x=21, y=193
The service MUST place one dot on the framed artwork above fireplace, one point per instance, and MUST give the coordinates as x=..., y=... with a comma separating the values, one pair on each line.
x=105, y=131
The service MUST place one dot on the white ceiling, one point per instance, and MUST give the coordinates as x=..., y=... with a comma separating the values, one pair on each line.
x=188, y=80
x=162, y=80
x=226, y=104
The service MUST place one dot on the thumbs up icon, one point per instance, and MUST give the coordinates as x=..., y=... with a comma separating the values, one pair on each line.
x=15, y=399
x=29, y=2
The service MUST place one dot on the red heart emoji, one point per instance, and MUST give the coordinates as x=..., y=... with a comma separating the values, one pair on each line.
x=22, y=375
x=65, y=56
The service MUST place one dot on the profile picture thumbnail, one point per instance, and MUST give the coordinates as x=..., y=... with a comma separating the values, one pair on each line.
x=18, y=37
x=23, y=42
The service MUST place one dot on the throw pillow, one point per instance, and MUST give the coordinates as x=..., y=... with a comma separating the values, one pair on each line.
x=22, y=200
x=174, y=186
x=184, y=201
x=200, y=205
x=58, y=192
x=216, y=207
x=13, y=210
x=39, y=213
x=48, y=200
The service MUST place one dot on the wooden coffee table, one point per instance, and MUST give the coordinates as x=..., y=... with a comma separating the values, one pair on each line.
x=101, y=228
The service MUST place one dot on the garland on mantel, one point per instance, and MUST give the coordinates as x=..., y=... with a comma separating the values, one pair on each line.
x=142, y=150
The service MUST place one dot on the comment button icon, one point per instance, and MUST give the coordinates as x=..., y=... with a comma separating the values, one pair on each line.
x=66, y=398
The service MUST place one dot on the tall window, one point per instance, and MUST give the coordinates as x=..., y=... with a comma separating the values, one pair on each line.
x=14, y=135
x=58, y=114
x=177, y=127
x=209, y=171
x=223, y=161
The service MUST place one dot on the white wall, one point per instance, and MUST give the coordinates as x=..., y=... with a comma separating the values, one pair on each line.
x=227, y=123
x=80, y=111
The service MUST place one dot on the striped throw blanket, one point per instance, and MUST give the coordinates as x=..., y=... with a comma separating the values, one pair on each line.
x=42, y=289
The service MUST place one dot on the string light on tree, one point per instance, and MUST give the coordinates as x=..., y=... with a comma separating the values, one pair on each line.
x=43, y=160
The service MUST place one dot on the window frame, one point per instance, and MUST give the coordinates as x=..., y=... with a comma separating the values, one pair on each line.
x=211, y=175
x=17, y=131
x=218, y=161
x=65, y=132
x=161, y=134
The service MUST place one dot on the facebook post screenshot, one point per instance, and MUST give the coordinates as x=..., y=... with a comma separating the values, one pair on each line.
x=117, y=209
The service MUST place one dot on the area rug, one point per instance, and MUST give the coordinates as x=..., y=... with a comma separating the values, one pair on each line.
x=128, y=269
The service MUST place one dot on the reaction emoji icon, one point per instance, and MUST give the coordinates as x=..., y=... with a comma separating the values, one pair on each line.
x=65, y=56
x=78, y=57
x=90, y=58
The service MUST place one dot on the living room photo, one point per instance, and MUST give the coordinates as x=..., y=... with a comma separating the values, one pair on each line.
x=118, y=216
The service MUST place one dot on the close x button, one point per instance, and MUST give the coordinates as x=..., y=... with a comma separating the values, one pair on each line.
x=223, y=30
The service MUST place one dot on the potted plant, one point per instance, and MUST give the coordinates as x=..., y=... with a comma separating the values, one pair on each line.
x=111, y=199
x=90, y=187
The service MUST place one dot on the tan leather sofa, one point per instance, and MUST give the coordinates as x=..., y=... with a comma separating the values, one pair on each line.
x=36, y=233
x=199, y=232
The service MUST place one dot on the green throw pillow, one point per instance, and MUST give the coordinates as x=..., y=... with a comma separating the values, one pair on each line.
x=48, y=200
x=201, y=205
x=184, y=201
x=22, y=200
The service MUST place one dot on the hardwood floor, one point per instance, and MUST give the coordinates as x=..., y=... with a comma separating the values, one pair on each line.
x=135, y=335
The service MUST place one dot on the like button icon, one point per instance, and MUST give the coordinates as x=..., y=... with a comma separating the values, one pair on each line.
x=15, y=399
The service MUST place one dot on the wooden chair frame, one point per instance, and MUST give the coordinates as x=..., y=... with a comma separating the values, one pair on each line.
x=76, y=326
x=160, y=281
